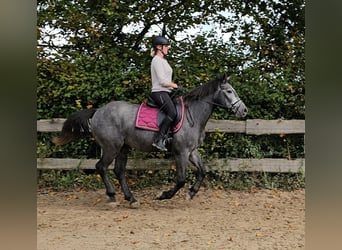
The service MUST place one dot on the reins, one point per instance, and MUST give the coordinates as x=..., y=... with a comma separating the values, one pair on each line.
x=220, y=105
x=233, y=106
x=185, y=92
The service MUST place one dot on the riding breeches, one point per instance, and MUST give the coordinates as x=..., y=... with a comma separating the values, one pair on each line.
x=164, y=101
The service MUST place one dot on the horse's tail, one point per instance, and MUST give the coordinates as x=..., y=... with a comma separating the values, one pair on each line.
x=75, y=126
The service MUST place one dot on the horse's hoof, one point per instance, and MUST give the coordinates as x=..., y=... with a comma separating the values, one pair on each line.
x=166, y=195
x=159, y=196
x=191, y=194
x=114, y=204
x=134, y=204
x=111, y=199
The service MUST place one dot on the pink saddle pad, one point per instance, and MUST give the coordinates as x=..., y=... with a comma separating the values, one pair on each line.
x=147, y=117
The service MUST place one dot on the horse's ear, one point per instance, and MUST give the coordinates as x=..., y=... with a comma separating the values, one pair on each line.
x=226, y=78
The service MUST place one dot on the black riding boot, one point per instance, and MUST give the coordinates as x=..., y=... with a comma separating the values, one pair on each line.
x=159, y=140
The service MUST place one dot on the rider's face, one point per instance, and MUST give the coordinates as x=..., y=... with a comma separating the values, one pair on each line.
x=164, y=49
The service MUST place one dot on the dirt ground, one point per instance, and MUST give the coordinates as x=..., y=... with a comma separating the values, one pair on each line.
x=214, y=219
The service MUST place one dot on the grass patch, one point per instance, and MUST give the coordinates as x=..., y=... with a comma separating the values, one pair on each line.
x=62, y=180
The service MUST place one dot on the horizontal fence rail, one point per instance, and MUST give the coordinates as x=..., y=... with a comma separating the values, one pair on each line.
x=233, y=165
x=249, y=127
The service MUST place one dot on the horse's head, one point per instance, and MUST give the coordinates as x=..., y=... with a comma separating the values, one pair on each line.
x=227, y=97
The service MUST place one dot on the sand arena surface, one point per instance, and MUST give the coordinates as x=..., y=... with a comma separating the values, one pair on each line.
x=214, y=219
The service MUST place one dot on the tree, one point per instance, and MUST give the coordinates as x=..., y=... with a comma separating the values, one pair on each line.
x=272, y=35
x=103, y=52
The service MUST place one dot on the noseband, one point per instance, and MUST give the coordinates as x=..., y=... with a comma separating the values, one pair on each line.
x=235, y=103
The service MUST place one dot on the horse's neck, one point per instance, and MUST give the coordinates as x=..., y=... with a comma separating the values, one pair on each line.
x=201, y=111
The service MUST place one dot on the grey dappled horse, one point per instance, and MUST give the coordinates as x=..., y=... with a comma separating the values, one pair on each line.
x=113, y=127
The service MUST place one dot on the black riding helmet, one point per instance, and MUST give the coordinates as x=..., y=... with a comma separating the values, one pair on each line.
x=159, y=40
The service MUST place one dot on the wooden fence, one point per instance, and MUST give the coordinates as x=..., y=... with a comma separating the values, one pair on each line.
x=250, y=127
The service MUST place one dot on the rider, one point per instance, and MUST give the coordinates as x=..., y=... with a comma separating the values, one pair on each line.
x=162, y=86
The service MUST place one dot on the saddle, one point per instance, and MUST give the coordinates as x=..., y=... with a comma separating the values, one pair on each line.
x=149, y=116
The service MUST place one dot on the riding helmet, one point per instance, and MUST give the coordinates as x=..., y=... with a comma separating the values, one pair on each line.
x=159, y=40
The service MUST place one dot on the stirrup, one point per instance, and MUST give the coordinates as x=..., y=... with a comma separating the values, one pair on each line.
x=159, y=145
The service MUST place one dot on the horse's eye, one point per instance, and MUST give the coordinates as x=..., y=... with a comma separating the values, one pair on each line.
x=229, y=91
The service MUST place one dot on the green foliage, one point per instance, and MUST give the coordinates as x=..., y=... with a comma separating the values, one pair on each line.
x=83, y=148
x=248, y=180
x=221, y=145
x=103, y=53
x=59, y=180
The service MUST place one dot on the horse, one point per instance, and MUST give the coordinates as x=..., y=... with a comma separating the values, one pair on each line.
x=113, y=128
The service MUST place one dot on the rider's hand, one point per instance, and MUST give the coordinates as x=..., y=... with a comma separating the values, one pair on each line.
x=173, y=85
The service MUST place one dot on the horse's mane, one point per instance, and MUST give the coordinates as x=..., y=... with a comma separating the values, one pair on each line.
x=203, y=90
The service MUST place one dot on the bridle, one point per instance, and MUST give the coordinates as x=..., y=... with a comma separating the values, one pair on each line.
x=233, y=105
x=223, y=106
x=236, y=102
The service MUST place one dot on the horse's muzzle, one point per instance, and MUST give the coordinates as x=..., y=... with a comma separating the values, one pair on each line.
x=240, y=109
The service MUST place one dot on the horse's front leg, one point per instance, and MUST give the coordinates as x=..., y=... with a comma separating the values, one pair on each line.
x=181, y=165
x=120, y=172
x=196, y=160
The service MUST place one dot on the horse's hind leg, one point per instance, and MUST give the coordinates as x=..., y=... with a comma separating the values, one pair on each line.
x=120, y=170
x=102, y=169
x=196, y=160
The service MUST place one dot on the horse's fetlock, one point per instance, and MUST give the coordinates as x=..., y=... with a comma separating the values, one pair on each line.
x=112, y=199
x=111, y=195
x=180, y=184
x=191, y=194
